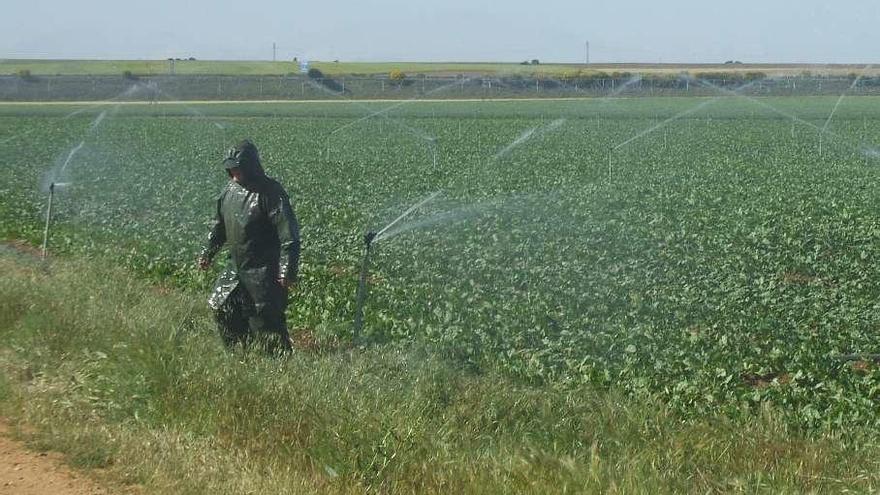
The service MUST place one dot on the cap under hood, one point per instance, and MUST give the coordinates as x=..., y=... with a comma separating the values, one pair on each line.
x=245, y=156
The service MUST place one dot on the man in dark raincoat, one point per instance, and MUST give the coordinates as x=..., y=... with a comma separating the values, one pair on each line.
x=255, y=220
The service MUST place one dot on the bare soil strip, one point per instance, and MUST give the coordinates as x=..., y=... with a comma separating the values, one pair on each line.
x=23, y=472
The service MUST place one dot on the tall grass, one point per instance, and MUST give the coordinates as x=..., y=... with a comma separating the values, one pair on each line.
x=130, y=378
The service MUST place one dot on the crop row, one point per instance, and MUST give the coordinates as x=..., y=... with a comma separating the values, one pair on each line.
x=723, y=260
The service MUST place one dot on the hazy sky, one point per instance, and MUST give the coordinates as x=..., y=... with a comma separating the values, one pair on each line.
x=842, y=31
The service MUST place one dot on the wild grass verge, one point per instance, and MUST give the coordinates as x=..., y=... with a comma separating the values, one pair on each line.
x=131, y=379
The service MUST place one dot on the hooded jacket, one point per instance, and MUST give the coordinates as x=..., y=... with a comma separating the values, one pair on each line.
x=255, y=220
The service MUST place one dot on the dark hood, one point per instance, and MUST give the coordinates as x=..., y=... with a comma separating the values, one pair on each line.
x=246, y=157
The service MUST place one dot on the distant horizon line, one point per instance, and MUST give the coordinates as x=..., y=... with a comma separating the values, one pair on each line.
x=447, y=62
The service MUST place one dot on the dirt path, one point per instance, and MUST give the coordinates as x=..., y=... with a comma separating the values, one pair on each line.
x=23, y=472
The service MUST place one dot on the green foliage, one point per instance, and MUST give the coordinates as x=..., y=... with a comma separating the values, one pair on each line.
x=722, y=268
x=732, y=75
x=123, y=376
x=25, y=75
x=397, y=75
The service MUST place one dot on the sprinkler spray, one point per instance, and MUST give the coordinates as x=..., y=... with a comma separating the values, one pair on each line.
x=362, y=286
x=610, y=165
x=432, y=142
x=48, y=219
x=369, y=238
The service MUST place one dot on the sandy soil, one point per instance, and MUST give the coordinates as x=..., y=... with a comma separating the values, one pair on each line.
x=23, y=472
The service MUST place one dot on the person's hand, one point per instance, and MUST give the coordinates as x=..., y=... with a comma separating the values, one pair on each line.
x=204, y=263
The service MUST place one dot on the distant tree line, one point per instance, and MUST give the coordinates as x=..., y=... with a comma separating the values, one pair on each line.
x=318, y=77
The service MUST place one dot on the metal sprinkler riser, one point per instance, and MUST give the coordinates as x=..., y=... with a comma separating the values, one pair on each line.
x=48, y=220
x=361, y=297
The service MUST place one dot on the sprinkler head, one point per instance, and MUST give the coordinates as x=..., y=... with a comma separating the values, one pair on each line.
x=369, y=237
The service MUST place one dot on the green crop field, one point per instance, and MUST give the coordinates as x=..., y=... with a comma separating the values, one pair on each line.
x=49, y=67
x=718, y=253
x=246, y=67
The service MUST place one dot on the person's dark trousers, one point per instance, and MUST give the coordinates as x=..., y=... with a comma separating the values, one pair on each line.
x=241, y=322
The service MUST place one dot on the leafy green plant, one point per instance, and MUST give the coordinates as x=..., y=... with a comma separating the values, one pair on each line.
x=722, y=266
